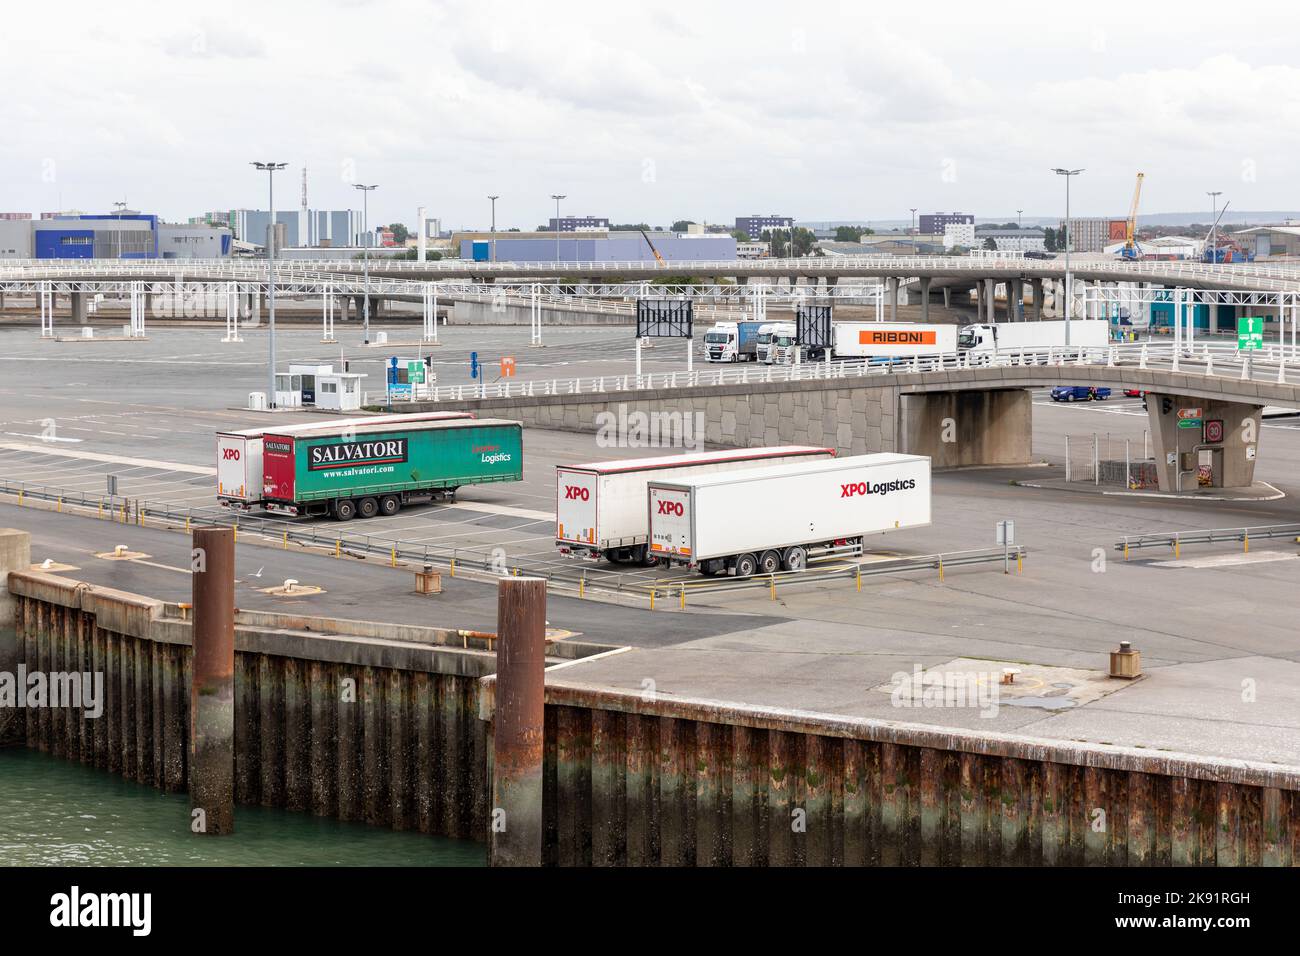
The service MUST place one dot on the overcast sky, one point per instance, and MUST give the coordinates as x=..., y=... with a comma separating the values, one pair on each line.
x=650, y=111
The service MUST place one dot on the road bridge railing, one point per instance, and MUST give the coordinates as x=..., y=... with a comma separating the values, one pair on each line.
x=1175, y=540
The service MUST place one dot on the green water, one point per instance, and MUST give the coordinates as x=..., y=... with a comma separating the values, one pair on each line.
x=58, y=813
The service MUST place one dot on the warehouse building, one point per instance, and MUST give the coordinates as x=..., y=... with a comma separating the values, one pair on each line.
x=755, y=225
x=598, y=247
x=1272, y=241
x=934, y=224
x=321, y=227
x=1095, y=234
x=125, y=235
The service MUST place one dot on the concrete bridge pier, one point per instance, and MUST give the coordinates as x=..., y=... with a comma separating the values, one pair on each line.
x=15, y=555
x=1016, y=300
x=947, y=297
x=1178, y=451
x=1037, y=286
x=963, y=428
x=990, y=299
x=925, y=298
x=77, y=300
x=891, y=289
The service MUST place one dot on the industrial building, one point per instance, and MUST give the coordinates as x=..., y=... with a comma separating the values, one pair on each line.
x=121, y=235
x=753, y=226
x=578, y=224
x=958, y=234
x=602, y=247
x=933, y=224
x=1266, y=241
x=1095, y=234
x=323, y=227
x=1012, y=240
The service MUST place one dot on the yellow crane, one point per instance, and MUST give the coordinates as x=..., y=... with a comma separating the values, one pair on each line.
x=1130, y=244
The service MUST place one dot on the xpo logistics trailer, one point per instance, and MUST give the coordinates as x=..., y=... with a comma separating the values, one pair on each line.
x=239, y=453
x=600, y=508
x=769, y=519
x=376, y=469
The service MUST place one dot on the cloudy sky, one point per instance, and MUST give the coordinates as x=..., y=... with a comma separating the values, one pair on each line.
x=650, y=111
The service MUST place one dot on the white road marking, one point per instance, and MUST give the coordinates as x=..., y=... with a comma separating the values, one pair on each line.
x=503, y=510
x=1227, y=560
x=110, y=459
x=43, y=437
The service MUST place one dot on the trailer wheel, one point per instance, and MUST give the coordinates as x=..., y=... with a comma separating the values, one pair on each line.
x=345, y=509
x=389, y=505
x=770, y=562
x=367, y=507
x=746, y=565
x=645, y=557
x=796, y=559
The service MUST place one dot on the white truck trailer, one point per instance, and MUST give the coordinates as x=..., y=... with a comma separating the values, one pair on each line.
x=768, y=334
x=1016, y=336
x=239, y=453
x=732, y=342
x=600, y=508
x=892, y=340
x=768, y=519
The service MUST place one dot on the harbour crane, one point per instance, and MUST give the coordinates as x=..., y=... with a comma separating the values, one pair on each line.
x=1131, y=250
x=658, y=258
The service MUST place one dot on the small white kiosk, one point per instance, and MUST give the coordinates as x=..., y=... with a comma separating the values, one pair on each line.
x=318, y=386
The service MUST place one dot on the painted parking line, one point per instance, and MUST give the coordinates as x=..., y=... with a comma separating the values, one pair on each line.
x=110, y=459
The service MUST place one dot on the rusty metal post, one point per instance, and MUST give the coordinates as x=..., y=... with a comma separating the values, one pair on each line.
x=212, y=690
x=515, y=823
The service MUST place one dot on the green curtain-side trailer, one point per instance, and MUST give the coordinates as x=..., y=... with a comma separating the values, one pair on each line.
x=376, y=469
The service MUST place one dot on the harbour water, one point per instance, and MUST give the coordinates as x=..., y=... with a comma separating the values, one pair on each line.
x=58, y=813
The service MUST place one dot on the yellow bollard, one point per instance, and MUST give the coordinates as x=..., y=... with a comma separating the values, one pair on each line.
x=453, y=567
x=652, y=599
x=187, y=524
x=1246, y=543
x=286, y=541
x=20, y=497
x=101, y=510
x=941, y=570
x=771, y=587
x=59, y=506
x=683, y=597
x=394, y=557
x=1125, y=549
x=338, y=547
x=582, y=586
x=1175, y=547
x=1020, y=562
x=235, y=536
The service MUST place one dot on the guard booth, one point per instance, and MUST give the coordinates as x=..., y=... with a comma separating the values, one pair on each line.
x=339, y=391
x=297, y=387
x=407, y=379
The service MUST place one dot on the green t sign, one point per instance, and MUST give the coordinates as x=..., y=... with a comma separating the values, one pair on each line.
x=415, y=373
x=1250, y=333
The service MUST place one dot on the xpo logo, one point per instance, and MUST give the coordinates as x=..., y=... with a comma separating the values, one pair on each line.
x=670, y=508
x=572, y=491
x=853, y=488
x=230, y=454
x=881, y=488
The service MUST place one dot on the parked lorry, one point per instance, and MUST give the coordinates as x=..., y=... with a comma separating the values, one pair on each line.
x=892, y=340
x=771, y=339
x=239, y=453
x=1016, y=336
x=600, y=508
x=732, y=342
x=375, y=469
x=768, y=519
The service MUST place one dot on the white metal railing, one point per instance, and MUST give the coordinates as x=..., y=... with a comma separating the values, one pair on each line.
x=1212, y=360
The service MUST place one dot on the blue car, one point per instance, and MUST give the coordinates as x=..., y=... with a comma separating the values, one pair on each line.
x=1079, y=393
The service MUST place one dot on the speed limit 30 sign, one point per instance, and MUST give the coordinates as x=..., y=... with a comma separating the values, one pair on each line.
x=1213, y=431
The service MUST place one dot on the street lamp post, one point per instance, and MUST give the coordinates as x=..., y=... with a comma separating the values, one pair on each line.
x=494, y=227
x=121, y=208
x=270, y=169
x=557, y=225
x=1067, y=173
x=1019, y=221
x=1214, y=223
x=365, y=260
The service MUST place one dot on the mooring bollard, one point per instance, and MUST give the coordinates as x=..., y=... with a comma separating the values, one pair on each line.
x=515, y=821
x=212, y=689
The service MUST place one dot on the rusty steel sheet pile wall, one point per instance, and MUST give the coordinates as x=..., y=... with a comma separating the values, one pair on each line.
x=693, y=783
x=400, y=746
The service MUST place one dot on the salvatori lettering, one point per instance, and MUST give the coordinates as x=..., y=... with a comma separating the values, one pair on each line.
x=83, y=691
x=74, y=908
x=345, y=454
